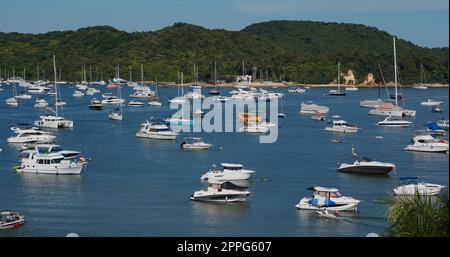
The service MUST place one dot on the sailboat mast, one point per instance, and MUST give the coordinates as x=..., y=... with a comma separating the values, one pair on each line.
x=339, y=76
x=142, y=75
x=56, y=86
x=395, y=72
x=215, y=75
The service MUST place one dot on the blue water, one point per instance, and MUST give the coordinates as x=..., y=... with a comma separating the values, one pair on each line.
x=139, y=187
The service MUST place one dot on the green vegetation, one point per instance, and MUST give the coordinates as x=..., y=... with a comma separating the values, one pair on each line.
x=301, y=51
x=418, y=216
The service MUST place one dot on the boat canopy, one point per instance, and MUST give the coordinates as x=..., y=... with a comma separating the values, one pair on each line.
x=326, y=189
x=433, y=126
x=232, y=165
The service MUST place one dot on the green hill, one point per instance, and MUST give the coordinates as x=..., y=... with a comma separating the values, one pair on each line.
x=300, y=51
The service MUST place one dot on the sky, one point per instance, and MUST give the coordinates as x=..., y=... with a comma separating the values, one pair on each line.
x=423, y=22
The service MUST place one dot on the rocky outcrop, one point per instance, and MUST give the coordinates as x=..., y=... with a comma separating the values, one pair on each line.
x=349, y=78
x=369, y=80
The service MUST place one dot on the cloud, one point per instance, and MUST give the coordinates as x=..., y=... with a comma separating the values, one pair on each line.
x=346, y=6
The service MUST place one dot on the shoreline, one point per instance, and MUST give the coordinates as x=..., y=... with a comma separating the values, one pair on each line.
x=286, y=85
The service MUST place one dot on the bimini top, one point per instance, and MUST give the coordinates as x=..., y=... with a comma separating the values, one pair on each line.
x=232, y=165
x=326, y=189
x=408, y=178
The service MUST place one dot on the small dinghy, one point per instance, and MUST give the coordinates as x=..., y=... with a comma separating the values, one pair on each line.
x=329, y=215
x=9, y=219
x=194, y=143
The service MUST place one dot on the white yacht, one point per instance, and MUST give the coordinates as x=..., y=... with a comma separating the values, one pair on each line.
x=342, y=126
x=194, y=143
x=40, y=103
x=352, y=88
x=254, y=128
x=313, y=108
x=12, y=102
x=146, y=94
x=412, y=186
x=78, y=93
x=424, y=142
x=23, y=96
x=393, y=122
x=223, y=192
x=430, y=102
x=294, y=89
x=115, y=115
x=60, y=103
x=328, y=198
x=135, y=103
x=229, y=172
x=92, y=91
x=54, y=162
x=367, y=166
x=30, y=135
x=222, y=99
x=155, y=103
x=110, y=99
x=156, y=131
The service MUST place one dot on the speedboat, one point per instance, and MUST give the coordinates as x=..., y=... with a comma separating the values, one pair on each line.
x=31, y=135
x=11, y=102
x=313, y=108
x=95, y=104
x=50, y=162
x=222, y=192
x=156, y=131
x=229, y=172
x=342, y=126
x=10, y=219
x=329, y=198
x=430, y=102
x=367, y=166
x=420, y=87
x=194, y=143
x=424, y=142
x=40, y=103
x=78, y=93
x=135, y=103
x=394, y=122
x=110, y=99
x=412, y=186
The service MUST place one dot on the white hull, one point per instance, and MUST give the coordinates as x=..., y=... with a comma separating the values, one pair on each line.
x=344, y=207
x=342, y=130
x=72, y=169
x=226, y=176
x=421, y=189
x=427, y=149
x=156, y=135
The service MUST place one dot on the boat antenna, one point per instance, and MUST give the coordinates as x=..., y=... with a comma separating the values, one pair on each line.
x=56, y=85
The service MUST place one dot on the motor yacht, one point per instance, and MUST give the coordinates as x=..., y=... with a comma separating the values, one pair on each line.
x=430, y=102
x=254, y=128
x=393, y=122
x=40, y=103
x=135, y=103
x=222, y=192
x=54, y=162
x=78, y=93
x=424, y=142
x=329, y=198
x=31, y=135
x=313, y=108
x=229, y=172
x=95, y=104
x=194, y=143
x=111, y=100
x=146, y=94
x=342, y=126
x=154, y=103
x=434, y=129
x=52, y=121
x=412, y=186
x=444, y=124
x=156, y=131
x=296, y=90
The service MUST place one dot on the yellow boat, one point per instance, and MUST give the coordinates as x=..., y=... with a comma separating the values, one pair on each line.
x=249, y=117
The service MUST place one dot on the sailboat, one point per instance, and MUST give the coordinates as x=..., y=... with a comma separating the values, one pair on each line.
x=117, y=113
x=388, y=109
x=179, y=120
x=180, y=99
x=422, y=78
x=23, y=95
x=12, y=101
x=54, y=121
x=337, y=92
x=155, y=102
x=375, y=103
x=214, y=91
x=281, y=113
